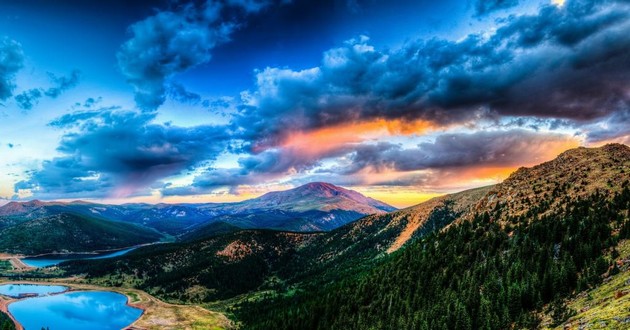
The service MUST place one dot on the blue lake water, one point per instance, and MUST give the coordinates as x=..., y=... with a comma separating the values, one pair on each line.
x=51, y=260
x=16, y=290
x=94, y=310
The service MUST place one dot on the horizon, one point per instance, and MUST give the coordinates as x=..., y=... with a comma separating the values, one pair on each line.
x=126, y=201
x=222, y=101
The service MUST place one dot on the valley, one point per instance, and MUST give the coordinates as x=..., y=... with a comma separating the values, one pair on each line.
x=547, y=247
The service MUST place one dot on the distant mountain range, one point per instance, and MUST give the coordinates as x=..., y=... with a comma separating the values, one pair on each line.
x=543, y=234
x=315, y=206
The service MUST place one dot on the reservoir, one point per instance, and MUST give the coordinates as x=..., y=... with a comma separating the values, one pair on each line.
x=55, y=259
x=20, y=290
x=95, y=310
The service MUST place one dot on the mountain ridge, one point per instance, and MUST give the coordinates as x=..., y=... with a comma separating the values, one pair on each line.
x=316, y=206
x=575, y=173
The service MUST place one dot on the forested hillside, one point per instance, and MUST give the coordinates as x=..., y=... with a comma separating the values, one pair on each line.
x=478, y=274
x=72, y=233
x=218, y=267
x=220, y=261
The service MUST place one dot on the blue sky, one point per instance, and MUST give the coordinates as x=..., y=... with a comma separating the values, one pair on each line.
x=212, y=100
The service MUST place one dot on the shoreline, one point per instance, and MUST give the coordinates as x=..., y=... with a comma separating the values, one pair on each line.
x=18, y=264
x=156, y=314
x=5, y=301
x=94, y=252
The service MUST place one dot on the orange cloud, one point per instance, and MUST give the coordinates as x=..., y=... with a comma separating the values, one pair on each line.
x=418, y=186
x=325, y=140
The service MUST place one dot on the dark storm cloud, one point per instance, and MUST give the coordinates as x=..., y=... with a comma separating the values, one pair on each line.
x=567, y=63
x=260, y=167
x=615, y=127
x=212, y=179
x=66, y=176
x=252, y=169
x=564, y=67
x=458, y=150
x=484, y=7
x=11, y=61
x=250, y=6
x=172, y=42
x=447, y=155
x=108, y=149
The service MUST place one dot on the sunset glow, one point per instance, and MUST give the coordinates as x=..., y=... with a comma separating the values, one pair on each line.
x=156, y=103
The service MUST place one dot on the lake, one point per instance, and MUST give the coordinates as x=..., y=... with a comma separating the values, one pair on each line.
x=17, y=290
x=55, y=259
x=95, y=310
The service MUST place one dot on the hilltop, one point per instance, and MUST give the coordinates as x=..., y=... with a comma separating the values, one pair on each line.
x=574, y=174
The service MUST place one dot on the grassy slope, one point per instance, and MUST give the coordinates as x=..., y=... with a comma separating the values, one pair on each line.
x=608, y=305
x=208, y=269
x=472, y=276
x=576, y=173
x=68, y=232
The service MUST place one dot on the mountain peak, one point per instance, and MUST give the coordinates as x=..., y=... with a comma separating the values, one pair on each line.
x=322, y=188
x=21, y=207
x=324, y=196
x=321, y=185
x=32, y=203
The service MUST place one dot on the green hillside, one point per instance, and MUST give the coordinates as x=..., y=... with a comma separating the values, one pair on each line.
x=71, y=233
x=215, y=268
x=475, y=275
x=220, y=261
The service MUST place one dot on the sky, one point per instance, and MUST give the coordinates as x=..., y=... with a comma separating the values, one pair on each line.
x=224, y=100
